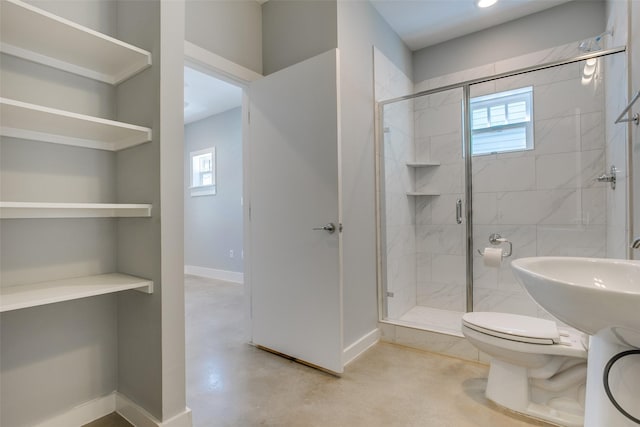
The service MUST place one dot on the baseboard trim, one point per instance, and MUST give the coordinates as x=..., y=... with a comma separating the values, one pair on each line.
x=360, y=346
x=212, y=273
x=141, y=418
x=84, y=413
x=115, y=402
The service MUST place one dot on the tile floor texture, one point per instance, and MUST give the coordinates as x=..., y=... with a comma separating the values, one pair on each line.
x=230, y=383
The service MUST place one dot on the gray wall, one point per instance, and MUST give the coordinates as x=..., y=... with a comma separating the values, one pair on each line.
x=138, y=179
x=229, y=28
x=359, y=28
x=213, y=224
x=99, y=15
x=293, y=31
x=562, y=24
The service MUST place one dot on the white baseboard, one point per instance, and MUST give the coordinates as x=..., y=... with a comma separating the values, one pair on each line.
x=83, y=414
x=141, y=418
x=114, y=402
x=212, y=273
x=363, y=344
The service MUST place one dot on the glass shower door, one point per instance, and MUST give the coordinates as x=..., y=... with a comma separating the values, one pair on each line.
x=422, y=185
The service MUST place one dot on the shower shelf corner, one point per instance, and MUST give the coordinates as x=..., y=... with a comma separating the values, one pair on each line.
x=428, y=193
x=423, y=164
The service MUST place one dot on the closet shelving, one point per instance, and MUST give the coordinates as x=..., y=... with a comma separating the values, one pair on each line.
x=418, y=165
x=67, y=45
x=35, y=294
x=35, y=122
x=36, y=35
x=31, y=210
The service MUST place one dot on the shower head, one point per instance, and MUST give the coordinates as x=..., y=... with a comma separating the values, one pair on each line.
x=594, y=43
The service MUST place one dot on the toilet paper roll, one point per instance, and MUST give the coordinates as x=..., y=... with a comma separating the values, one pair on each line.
x=492, y=257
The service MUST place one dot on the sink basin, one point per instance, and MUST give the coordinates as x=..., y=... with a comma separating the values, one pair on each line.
x=590, y=294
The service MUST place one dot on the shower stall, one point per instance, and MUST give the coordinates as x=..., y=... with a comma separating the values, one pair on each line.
x=473, y=172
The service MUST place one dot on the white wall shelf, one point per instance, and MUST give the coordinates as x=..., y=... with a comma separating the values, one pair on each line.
x=17, y=210
x=35, y=122
x=422, y=164
x=422, y=193
x=35, y=294
x=39, y=36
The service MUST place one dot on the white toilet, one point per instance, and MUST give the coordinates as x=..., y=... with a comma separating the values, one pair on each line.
x=536, y=368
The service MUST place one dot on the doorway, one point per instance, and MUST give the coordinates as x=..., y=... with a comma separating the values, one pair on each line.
x=213, y=181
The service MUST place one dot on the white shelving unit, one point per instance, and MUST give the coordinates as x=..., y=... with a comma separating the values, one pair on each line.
x=35, y=122
x=16, y=210
x=35, y=294
x=39, y=36
x=36, y=35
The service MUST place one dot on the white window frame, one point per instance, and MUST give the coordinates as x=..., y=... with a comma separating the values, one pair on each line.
x=196, y=189
x=504, y=98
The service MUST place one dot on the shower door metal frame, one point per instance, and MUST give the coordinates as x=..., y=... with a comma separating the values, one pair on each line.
x=466, y=138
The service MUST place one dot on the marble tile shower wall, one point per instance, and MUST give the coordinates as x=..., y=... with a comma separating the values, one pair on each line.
x=399, y=212
x=546, y=200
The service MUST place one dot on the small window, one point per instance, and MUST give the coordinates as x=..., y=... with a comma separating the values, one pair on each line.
x=203, y=172
x=502, y=122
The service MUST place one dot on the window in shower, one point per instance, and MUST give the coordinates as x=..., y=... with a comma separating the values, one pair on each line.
x=502, y=122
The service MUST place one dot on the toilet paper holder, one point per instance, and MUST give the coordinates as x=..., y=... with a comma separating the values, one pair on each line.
x=495, y=239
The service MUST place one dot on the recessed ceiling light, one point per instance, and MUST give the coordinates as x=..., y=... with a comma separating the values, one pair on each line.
x=485, y=3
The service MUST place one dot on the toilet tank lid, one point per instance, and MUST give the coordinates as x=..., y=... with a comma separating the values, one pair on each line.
x=514, y=325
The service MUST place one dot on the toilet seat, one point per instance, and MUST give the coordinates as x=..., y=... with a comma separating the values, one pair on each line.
x=514, y=327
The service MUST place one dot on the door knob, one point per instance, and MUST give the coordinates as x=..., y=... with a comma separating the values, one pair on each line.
x=330, y=228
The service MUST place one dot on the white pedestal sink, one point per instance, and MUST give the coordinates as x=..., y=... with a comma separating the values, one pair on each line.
x=600, y=297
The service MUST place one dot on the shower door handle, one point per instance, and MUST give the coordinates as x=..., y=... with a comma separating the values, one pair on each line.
x=459, y=211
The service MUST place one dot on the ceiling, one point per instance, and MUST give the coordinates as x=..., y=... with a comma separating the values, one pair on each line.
x=205, y=95
x=422, y=23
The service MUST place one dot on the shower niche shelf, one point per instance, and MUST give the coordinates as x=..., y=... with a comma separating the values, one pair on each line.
x=422, y=164
x=42, y=293
x=428, y=193
x=419, y=165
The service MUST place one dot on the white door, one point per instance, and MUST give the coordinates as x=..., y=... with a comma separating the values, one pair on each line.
x=295, y=275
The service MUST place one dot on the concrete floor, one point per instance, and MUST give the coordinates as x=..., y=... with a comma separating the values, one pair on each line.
x=230, y=383
x=111, y=420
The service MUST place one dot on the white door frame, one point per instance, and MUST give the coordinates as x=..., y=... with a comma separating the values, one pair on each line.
x=223, y=69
